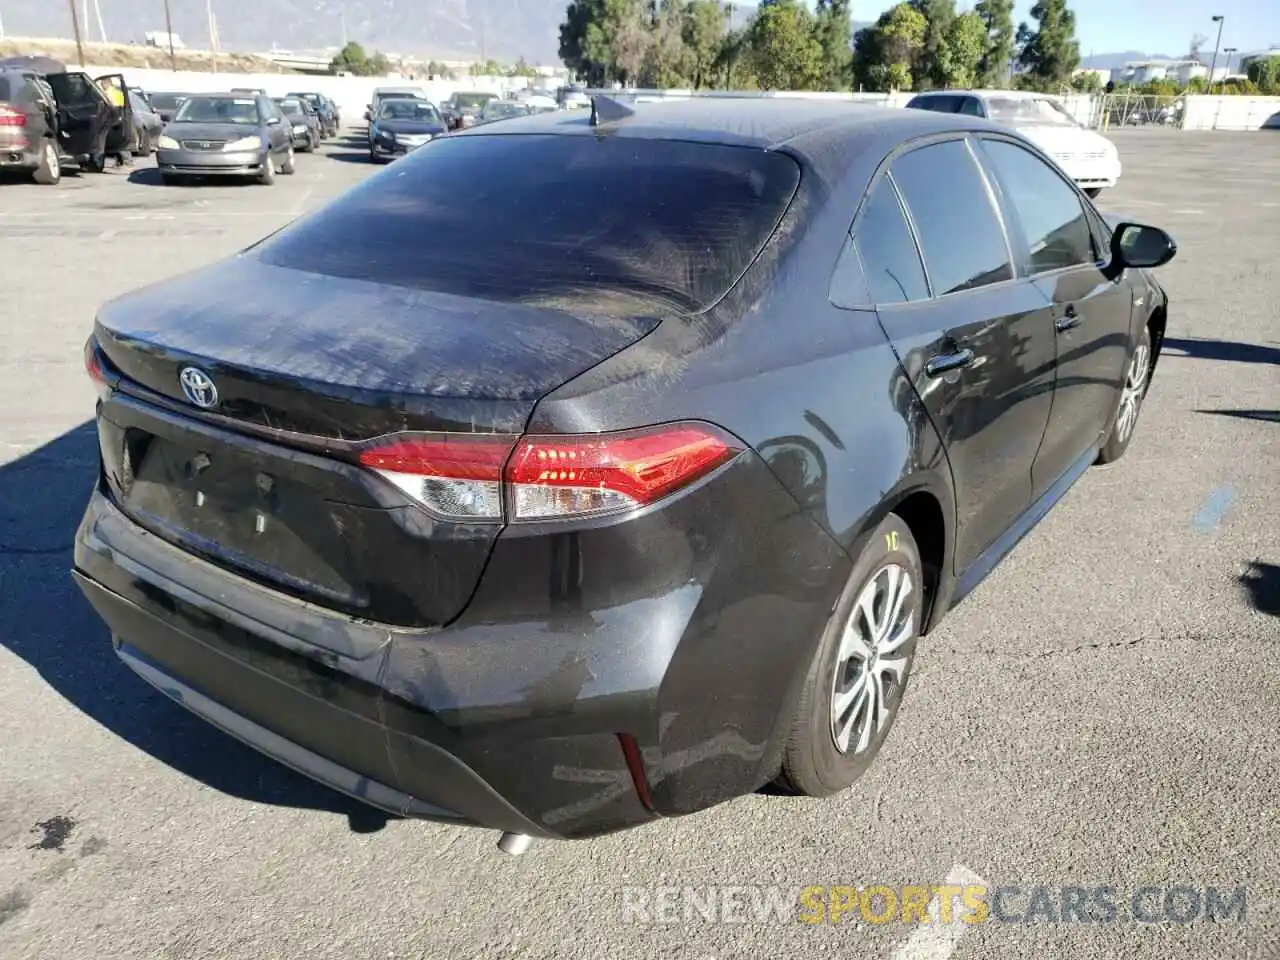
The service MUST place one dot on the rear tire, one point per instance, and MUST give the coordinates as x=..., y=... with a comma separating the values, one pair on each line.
x=49, y=169
x=861, y=668
x=1124, y=424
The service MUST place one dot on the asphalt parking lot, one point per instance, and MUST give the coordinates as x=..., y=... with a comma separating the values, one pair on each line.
x=1104, y=711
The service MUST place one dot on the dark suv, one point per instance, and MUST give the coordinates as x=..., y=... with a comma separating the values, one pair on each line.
x=50, y=117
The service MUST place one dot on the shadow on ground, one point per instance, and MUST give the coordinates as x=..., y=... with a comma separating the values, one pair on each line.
x=45, y=621
x=1262, y=580
x=1222, y=350
x=1265, y=416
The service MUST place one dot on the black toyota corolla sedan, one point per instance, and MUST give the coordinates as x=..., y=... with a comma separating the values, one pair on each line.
x=587, y=469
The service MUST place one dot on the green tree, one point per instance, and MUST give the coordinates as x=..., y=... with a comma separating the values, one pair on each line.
x=1050, y=53
x=704, y=31
x=997, y=55
x=1264, y=73
x=604, y=41
x=965, y=42
x=667, y=61
x=579, y=17
x=1086, y=83
x=934, y=57
x=783, y=49
x=439, y=71
x=886, y=55
x=834, y=29
x=353, y=59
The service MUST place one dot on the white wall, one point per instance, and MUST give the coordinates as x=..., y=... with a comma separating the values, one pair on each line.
x=350, y=93
x=1232, y=113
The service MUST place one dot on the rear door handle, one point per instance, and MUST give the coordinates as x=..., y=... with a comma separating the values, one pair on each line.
x=1070, y=318
x=944, y=362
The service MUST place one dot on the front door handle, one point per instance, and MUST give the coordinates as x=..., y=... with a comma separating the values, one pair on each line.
x=945, y=362
x=1070, y=318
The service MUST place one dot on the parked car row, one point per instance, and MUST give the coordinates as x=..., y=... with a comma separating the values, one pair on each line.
x=52, y=118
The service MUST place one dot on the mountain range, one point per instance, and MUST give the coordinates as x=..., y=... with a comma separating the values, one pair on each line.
x=444, y=29
x=503, y=30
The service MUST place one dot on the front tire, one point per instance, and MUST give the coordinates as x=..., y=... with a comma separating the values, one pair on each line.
x=861, y=668
x=49, y=169
x=268, y=175
x=1137, y=379
x=290, y=165
x=145, y=147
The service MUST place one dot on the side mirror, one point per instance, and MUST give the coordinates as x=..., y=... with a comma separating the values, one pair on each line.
x=273, y=121
x=1140, y=246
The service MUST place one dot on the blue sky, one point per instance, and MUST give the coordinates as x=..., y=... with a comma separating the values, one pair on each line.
x=1152, y=26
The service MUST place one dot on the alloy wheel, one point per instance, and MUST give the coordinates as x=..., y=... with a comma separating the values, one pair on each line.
x=1135, y=383
x=870, y=664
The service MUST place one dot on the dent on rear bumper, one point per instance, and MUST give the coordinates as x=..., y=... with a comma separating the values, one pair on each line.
x=677, y=627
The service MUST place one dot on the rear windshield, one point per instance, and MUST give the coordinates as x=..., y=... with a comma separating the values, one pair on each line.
x=469, y=101
x=569, y=221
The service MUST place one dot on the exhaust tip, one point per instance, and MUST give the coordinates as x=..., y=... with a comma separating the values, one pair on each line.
x=514, y=843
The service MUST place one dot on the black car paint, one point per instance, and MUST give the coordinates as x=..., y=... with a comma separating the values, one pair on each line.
x=576, y=633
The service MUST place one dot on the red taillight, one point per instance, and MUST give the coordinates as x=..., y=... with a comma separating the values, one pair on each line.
x=12, y=118
x=468, y=477
x=565, y=476
x=456, y=475
x=93, y=367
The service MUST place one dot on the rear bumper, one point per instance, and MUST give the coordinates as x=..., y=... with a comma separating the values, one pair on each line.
x=210, y=163
x=511, y=716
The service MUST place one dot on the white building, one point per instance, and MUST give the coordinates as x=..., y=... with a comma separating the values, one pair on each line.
x=1181, y=72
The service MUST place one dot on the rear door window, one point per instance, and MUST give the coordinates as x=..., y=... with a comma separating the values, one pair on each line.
x=7, y=94
x=575, y=221
x=960, y=232
x=972, y=106
x=887, y=249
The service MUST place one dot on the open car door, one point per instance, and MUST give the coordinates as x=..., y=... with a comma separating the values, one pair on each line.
x=84, y=114
x=122, y=137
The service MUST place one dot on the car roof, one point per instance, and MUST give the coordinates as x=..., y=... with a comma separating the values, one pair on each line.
x=814, y=130
x=1003, y=94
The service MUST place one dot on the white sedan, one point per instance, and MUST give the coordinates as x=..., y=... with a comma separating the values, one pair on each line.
x=1089, y=158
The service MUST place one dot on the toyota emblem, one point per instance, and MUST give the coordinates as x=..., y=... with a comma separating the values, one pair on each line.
x=198, y=387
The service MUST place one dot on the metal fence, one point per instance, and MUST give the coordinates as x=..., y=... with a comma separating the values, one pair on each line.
x=1114, y=110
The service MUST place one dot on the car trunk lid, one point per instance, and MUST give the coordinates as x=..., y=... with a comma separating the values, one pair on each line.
x=306, y=367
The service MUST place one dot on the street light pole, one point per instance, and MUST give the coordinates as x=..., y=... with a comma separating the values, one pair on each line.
x=75, y=25
x=1225, y=70
x=1219, y=20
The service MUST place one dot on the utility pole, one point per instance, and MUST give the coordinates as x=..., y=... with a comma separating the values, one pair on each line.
x=1219, y=20
x=213, y=32
x=168, y=25
x=75, y=25
x=1225, y=70
x=102, y=29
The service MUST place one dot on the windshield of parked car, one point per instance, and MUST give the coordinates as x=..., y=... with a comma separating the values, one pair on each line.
x=497, y=110
x=605, y=224
x=218, y=110
x=292, y=108
x=1029, y=110
x=472, y=101
x=166, y=101
x=417, y=110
